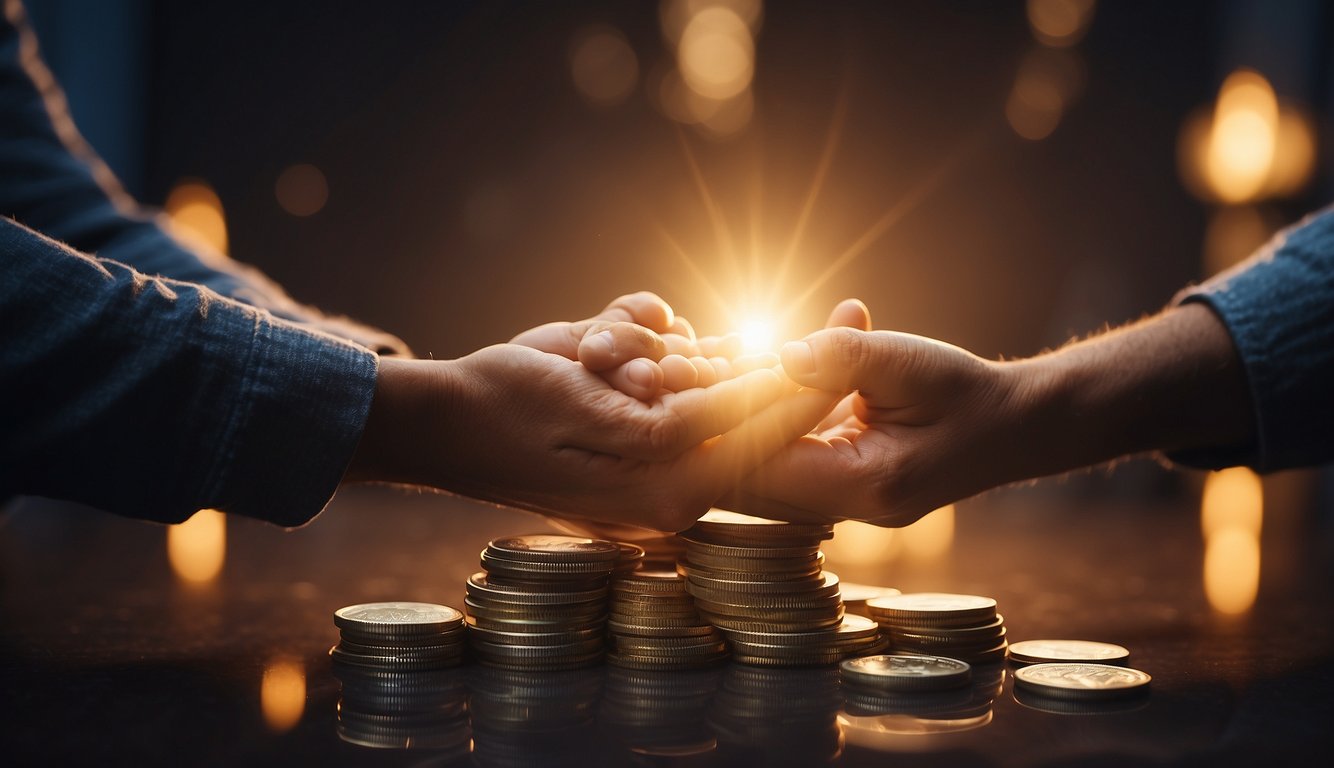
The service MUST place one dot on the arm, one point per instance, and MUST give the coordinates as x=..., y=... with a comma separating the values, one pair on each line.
x=1240, y=371
x=55, y=183
x=154, y=398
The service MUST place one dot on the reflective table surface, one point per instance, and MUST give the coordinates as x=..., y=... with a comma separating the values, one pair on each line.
x=123, y=640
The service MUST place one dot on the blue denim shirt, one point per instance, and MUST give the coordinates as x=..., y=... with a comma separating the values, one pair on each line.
x=140, y=376
x=1278, y=307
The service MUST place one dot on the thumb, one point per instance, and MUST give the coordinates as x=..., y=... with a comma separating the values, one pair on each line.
x=843, y=359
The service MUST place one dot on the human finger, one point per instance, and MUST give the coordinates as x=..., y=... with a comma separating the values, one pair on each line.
x=850, y=313
x=642, y=308
x=608, y=345
x=682, y=327
x=677, y=373
x=641, y=378
x=676, y=344
x=679, y=421
x=722, y=368
x=706, y=377
x=740, y=451
x=753, y=362
x=728, y=346
x=844, y=359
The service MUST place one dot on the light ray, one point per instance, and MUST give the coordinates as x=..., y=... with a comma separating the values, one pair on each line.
x=705, y=283
x=896, y=212
x=711, y=207
x=831, y=143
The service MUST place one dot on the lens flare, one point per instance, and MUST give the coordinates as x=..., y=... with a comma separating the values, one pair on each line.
x=757, y=334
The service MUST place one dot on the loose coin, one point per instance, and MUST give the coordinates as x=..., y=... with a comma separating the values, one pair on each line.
x=906, y=673
x=1042, y=651
x=1080, y=680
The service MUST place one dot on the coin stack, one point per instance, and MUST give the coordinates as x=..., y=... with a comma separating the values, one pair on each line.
x=399, y=636
x=963, y=627
x=541, y=603
x=654, y=625
x=630, y=560
x=761, y=583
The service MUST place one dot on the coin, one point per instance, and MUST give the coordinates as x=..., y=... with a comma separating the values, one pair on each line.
x=544, y=547
x=860, y=593
x=935, y=607
x=480, y=585
x=1041, y=651
x=906, y=673
x=405, y=619
x=1074, y=680
x=342, y=656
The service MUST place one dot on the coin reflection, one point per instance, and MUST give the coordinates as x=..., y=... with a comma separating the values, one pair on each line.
x=891, y=721
x=1057, y=706
x=387, y=709
x=533, y=717
x=660, y=713
x=777, y=716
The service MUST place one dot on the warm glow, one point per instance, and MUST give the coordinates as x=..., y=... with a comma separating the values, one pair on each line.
x=757, y=335
x=603, y=66
x=1232, y=570
x=857, y=543
x=1235, y=232
x=1233, y=500
x=282, y=694
x=931, y=537
x=196, y=216
x=1294, y=154
x=1060, y=22
x=1049, y=80
x=302, y=189
x=676, y=14
x=197, y=547
x=716, y=54
x=1243, y=137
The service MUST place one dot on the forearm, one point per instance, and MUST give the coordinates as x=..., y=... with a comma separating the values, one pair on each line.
x=1169, y=383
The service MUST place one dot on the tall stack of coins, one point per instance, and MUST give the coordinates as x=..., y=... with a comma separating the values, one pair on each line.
x=762, y=584
x=963, y=627
x=399, y=636
x=654, y=625
x=541, y=604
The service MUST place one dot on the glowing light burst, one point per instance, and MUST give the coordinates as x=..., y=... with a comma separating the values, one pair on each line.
x=766, y=285
x=757, y=334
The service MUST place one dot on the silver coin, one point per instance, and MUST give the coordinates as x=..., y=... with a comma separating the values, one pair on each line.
x=543, y=547
x=1080, y=680
x=404, y=618
x=1043, y=651
x=894, y=672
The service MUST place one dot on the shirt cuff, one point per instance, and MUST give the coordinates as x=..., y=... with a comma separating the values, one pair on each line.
x=303, y=405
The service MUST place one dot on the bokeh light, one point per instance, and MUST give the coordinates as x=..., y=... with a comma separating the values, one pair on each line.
x=1242, y=137
x=757, y=334
x=197, y=547
x=716, y=54
x=301, y=189
x=195, y=214
x=1060, y=23
x=603, y=66
x=1048, y=82
x=1233, y=233
x=282, y=694
x=1231, y=518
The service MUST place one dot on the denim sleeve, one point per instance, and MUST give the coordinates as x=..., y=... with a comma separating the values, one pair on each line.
x=154, y=398
x=1278, y=307
x=52, y=181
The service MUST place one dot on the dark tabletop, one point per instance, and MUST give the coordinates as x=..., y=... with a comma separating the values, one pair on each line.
x=107, y=655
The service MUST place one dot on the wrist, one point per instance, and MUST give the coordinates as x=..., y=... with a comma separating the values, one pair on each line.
x=409, y=421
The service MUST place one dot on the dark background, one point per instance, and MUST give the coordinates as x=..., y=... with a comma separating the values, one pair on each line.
x=427, y=116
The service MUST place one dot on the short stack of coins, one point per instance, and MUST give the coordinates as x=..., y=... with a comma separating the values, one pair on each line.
x=963, y=627
x=762, y=583
x=654, y=625
x=541, y=603
x=399, y=636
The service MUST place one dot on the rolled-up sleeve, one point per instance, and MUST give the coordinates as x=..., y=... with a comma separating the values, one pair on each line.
x=154, y=398
x=1278, y=307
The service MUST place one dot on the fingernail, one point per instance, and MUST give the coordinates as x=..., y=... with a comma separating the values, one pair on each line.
x=639, y=373
x=798, y=359
x=601, y=343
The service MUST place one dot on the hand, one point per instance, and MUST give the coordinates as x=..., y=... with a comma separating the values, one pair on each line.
x=516, y=426
x=917, y=433
x=642, y=348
